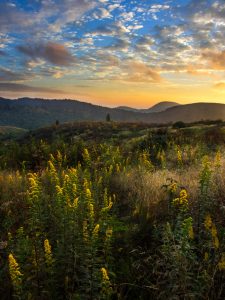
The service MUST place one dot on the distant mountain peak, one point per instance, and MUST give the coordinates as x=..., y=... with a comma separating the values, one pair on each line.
x=128, y=108
x=36, y=113
x=163, y=105
x=159, y=107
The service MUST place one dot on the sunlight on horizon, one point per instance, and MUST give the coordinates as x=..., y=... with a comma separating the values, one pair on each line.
x=115, y=52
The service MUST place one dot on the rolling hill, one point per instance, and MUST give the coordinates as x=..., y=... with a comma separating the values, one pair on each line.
x=161, y=106
x=30, y=113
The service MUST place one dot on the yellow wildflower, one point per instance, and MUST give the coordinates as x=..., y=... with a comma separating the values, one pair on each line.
x=182, y=201
x=206, y=256
x=88, y=193
x=218, y=159
x=91, y=211
x=145, y=160
x=173, y=187
x=216, y=242
x=48, y=252
x=105, y=277
x=109, y=233
x=86, y=157
x=52, y=171
x=73, y=204
x=183, y=195
x=106, y=285
x=191, y=233
x=214, y=231
x=86, y=184
x=59, y=190
x=179, y=156
x=208, y=222
x=107, y=208
x=9, y=236
x=214, y=236
x=14, y=271
x=96, y=230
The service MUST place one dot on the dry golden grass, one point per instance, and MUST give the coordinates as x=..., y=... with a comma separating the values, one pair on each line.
x=147, y=189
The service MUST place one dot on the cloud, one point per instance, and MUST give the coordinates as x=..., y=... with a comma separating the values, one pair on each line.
x=119, y=44
x=116, y=29
x=67, y=11
x=16, y=87
x=113, y=6
x=219, y=85
x=198, y=71
x=127, y=16
x=54, y=53
x=11, y=18
x=215, y=59
x=106, y=59
x=102, y=13
x=158, y=7
x=52, y=36
x=135, y=27
x=8, y=75
x=103, y=30
x=48, y=19
x=138, y=71
x=4, y=40
x=143, y=44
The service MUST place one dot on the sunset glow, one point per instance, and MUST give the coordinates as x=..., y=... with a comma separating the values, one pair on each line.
x=113, y=52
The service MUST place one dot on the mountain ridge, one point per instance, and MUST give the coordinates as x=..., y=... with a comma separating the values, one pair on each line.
x=158, y=107
x=32, y=113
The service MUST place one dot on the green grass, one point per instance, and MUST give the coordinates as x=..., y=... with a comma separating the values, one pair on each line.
x=9, y=132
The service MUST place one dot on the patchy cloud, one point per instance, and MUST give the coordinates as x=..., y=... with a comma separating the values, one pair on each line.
x=54, y=53
x=158, y=7
x=215, y=59
x=112, y=40
x=219, y=85
x=9, y=75
x=17, y=87
x=62, y=12
x=102, y=13
x=139, y=71
x=119, y=44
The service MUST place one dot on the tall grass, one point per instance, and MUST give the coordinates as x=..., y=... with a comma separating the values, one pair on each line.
x=144, y=220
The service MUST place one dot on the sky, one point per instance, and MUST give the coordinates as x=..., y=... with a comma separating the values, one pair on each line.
x=113, y=52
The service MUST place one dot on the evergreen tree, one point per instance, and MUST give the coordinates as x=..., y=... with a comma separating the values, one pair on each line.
x=108, y=118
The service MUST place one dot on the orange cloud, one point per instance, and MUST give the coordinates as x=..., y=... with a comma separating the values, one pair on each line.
x=140, y=72
x=220, y=85
x=215, y=59
x=195, y=71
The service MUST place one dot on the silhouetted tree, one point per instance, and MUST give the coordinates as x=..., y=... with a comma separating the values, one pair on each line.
x=108, y=118
x=179, y=124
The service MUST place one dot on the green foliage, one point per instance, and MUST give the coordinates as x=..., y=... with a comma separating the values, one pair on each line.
x=96, y=217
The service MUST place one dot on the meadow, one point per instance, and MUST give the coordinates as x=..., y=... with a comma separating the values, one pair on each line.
x=110, y=210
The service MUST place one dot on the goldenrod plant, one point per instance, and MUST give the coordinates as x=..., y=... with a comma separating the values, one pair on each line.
x=113, y=211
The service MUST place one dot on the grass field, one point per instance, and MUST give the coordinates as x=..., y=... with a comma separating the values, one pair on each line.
x=113, y=211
